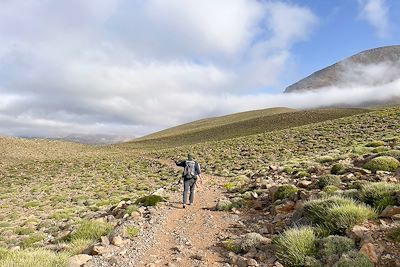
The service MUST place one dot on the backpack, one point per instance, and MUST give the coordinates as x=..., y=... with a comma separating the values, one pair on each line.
x=190, y=170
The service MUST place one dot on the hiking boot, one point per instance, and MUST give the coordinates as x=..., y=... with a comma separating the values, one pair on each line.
x=184, y=206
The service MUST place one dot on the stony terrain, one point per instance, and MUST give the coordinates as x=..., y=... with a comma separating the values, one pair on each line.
x=323, y=194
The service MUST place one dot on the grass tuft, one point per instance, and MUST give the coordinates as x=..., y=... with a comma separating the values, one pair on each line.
x=294, y=245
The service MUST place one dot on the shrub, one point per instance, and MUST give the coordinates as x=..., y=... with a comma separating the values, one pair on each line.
x=382, y=163
x=78, y=246
x=288, y=170
x=232, y=245
x=24, y=230
x=250, y=240
x=285, y=191
x=150, y=200
x=338, y=168
x=332, y=247
x=330, y=189
x=395, y=234
x=32, y=239
x=131, y=209
x=350, y=193
x=294, y=245
x=301, y=174
x=132, y=231
x=329, y=180
x=362, y=150
x=91, y=230
x=336, y=214
x=391, y=153
x=29, y=258
x=354, y=258
x=346, y=216
x=224, y=205
x=379, y=195
x=325, y=159
x=375, y=143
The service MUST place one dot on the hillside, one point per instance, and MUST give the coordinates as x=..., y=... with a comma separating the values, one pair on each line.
x=369, y=68
x=242, y=124
x=60, y=199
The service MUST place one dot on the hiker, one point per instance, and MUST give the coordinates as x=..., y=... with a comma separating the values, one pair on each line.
x=190, y=175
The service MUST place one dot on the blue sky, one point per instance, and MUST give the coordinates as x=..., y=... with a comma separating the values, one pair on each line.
x=131, y=67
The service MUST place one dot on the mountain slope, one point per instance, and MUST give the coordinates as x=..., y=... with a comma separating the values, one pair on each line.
x=369, y=68
x=226, y=127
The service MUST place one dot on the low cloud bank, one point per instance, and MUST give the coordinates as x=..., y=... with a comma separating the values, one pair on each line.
x=179, y=109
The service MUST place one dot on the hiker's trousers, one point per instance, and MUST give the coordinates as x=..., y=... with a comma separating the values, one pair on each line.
x=188, y=185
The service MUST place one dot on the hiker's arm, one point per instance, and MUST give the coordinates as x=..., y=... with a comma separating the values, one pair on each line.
x=180, y=163
x=198, y=171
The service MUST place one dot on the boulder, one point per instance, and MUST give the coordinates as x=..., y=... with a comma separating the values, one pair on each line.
x=304, y=184
x=390, y=211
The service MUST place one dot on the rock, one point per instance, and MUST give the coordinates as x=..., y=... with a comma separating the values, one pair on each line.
x=369, y=250
x=251, y=253
x=105, y=241
x=304, y=184
x=199, y=255
x=257, y=205
x=233, y=258
x=278, y=264
x=78, y=260
x=390, y=211
x=99, y=250
x=270, y=227
x=286, y=207
x=241, y=262
x=117, y=241
x=358, y=233
x=252, y=262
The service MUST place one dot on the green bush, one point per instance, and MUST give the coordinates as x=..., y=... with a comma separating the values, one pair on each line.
x=132, y=231
x=294, y=245
x=382, y=163
x=32, y=240
x=379, y=195
x=32, y=258
x=285, y=191
x=354, y=259
x=375, y=144
x=329, y=180
x=301, y=174
x=362, y=150
x=330, y=189
x=325, y=159
x=333, y=247
x=391, y=153
x=338, y=168
x=91, y=230
x=150, y=200
x=336, y=214
x=250, y=240
x=395, y=234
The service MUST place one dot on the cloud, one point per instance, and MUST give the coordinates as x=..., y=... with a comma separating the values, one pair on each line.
x=376, y=13
x=131, y=67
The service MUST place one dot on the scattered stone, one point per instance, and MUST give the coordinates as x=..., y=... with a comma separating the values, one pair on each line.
x=78, y=260
x=252, y=262
x=369, y=250
x=286, y=207
x=304, y=184
x=117, y=241
x=105, y=241
x=358, y=233
x=99, y=250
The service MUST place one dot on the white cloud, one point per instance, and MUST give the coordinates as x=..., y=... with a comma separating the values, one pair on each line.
x=135, y=66
x=376, y=13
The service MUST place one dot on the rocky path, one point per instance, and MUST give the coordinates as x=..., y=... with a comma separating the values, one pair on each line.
x=190, y=236
x=174, y=236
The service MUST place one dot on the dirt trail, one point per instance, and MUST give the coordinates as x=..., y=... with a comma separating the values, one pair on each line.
x=180, y=237
x=189, y=236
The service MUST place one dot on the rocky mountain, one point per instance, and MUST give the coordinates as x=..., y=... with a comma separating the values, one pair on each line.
x=372, y=67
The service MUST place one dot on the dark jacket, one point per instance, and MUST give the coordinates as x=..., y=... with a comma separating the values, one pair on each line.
x=183, y=164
